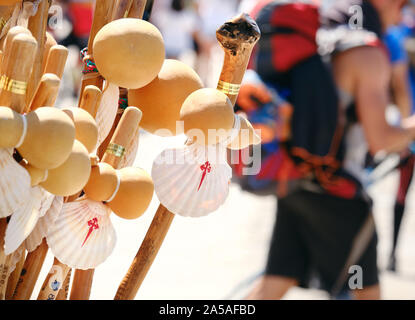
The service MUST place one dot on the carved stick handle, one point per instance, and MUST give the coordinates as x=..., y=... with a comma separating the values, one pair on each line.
x=237, y=38
x=126, y=130
x=7, y=45
x=46, y=93
x=15, y=80
x=91, y=99
x=56, y=60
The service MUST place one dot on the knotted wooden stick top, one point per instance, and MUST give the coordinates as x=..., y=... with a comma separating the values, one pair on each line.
x=237, y=38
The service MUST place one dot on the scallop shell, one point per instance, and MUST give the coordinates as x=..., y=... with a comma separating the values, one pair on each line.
x=14, y=184
x=82, y=236
x=41, y=229
x=16, y=256
x=107, y=111
x=23, y=221
x=192, y=181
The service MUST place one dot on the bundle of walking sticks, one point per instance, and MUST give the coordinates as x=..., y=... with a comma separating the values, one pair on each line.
x=65, y=170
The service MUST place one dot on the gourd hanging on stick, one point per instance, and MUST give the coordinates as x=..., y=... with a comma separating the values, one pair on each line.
x=243, y=33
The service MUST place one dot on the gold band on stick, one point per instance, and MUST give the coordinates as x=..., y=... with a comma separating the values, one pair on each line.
x=229, y=88
x=14, y=86
x=116, y=150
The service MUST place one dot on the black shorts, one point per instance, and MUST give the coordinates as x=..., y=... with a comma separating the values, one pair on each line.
x=313, y=237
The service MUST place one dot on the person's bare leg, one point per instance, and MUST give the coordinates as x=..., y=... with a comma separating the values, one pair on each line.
x=369, y=293
x=271, y=288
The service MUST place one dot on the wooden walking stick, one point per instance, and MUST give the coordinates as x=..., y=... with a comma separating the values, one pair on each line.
x=35, y=259
x=13, y=86
x=127, y=128
x=5, y=14
x=37, y=26
x=48, y=87
x=30, y=272
x=123, y=135
x=7, y=45
x=64, y=293
x=14, y=278
x=130, y=9
x=82, y=282
x=238, y=37
x=46, y=95
x=102, y=15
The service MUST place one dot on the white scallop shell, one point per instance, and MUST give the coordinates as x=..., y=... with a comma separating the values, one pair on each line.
x=14, y=184
x=16, y=256
x=23, y=221
x=48, y=219
x=107, y=111
x=192, y=181
x=73, y=239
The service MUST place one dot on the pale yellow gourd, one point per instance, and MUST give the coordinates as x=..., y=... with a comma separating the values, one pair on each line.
x=86, y=129
x=70, y=177
x=207, y=112
x=49, y=139
x=161, y=100
x=134, y=194
x=102, y=182
x=129, y=52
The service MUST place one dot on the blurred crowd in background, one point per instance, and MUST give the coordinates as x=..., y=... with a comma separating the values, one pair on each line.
x=188, y=28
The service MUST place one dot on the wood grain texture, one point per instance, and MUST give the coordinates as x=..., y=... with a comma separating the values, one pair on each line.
x=137, y=9
x=6, y=13
x=56, y=60
x=3, y=257
x=146, y=255
x=237, y=38
x=30, y=272
x=14, y=278
x=91, y=99
x=127, y=128
x=46, y=92
x=37, y=26
x=82, y=284
x=18, y=68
